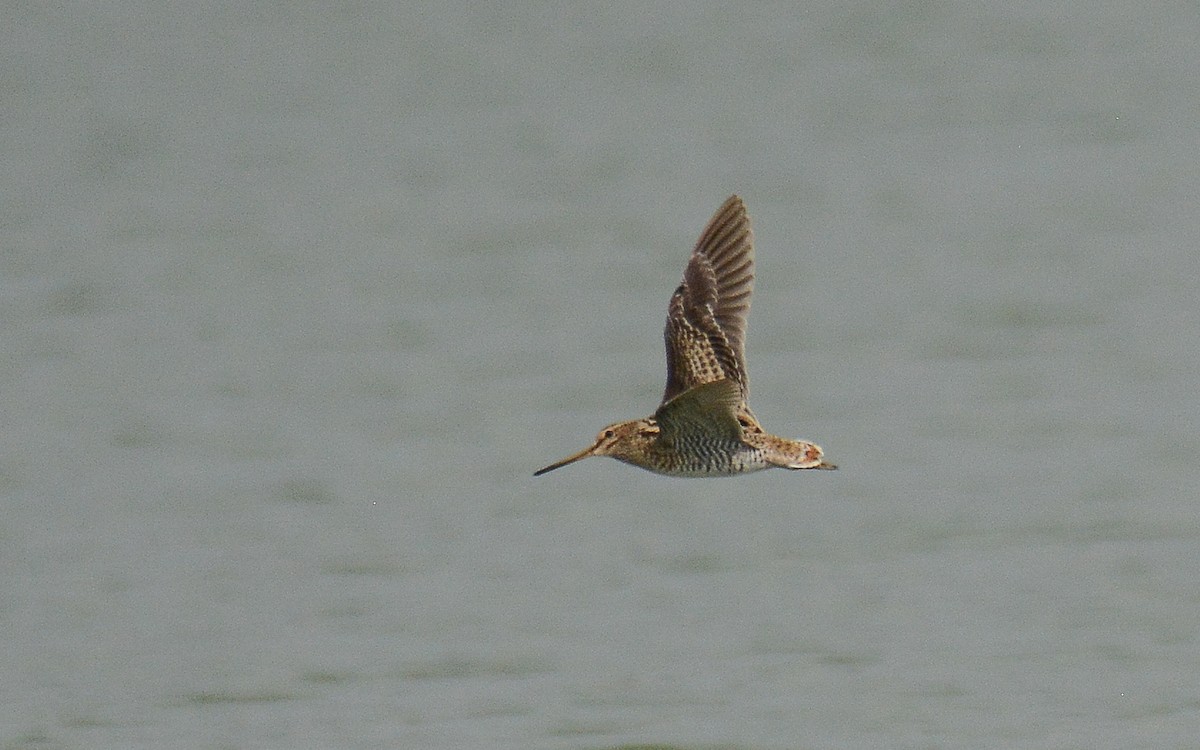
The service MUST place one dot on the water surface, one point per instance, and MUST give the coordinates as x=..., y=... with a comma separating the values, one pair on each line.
x=294, y=302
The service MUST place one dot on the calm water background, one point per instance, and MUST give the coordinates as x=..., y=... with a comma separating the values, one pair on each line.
x=293, y=301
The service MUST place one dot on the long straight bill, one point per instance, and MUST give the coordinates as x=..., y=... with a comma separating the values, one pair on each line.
x=569, y=460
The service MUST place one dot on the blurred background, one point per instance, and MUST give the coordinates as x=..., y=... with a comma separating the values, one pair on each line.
x=294, y=300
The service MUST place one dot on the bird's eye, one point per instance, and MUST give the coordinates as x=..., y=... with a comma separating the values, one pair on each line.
x=608, y=433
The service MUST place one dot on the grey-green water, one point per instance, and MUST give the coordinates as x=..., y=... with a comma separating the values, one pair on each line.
x=294, y=300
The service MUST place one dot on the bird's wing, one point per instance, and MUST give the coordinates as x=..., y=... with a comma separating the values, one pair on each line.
x=704, y=413
x=706, y=319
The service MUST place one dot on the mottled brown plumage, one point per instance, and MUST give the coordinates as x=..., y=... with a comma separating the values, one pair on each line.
x=704, y=426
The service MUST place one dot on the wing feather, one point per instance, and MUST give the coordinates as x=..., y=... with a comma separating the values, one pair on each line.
x=706, y=319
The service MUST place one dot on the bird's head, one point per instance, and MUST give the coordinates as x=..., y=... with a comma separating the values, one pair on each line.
x=621, y=440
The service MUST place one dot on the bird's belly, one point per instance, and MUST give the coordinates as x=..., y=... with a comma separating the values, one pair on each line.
x=712, y=460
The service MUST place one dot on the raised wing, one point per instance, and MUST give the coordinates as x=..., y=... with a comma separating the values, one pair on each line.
x=706, y=320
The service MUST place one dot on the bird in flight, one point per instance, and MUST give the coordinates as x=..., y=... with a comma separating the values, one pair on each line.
x=704, y=426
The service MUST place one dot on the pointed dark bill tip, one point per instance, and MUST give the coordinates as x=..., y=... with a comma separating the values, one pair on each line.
x=568, y=460
x=547, y=469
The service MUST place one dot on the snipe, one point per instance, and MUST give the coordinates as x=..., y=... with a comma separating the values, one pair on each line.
x=704, y=427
